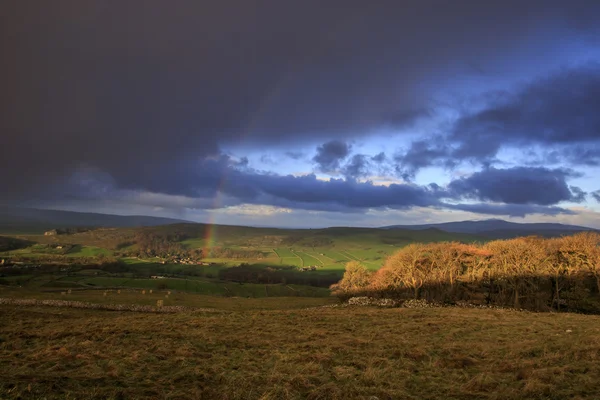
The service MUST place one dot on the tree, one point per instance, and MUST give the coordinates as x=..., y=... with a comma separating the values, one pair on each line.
x=518, y=261
x=557, y=266
x=582, y=252
x=356, y=278
x=407, y=268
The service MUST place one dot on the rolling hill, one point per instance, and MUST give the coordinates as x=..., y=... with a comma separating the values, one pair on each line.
x=499, y=229
x=31, y=220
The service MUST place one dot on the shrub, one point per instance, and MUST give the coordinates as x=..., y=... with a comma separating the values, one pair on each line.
x=355, y=280
x=528, y=272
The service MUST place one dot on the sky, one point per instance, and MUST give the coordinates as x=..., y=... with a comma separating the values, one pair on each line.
x=303, y=114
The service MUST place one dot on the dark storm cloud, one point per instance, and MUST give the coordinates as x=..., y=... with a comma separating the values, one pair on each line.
x=247, y=186
x=330, y=154
x=519, y=185
x=421, y=154
x=379, y=158
x=267, y=159
x=560, y=110
x=294, y=155
x=518, y=188
x=407, y=117
x=596, y=195
x=588, y=154
x=238, y=184
x=308, y=189
x=147, y=94
x=357, y=167
x=559, y=114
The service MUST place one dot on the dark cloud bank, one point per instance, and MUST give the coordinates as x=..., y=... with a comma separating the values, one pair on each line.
x=100, y=97
x=514, y=192
x=558, y=113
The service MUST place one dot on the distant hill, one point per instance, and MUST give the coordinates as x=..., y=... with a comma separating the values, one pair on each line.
x=499, y=229
x=30, y=220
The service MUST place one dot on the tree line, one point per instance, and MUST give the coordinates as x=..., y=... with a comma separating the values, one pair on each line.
x=150, y=244
x=247, y=273
x=528, y=272
x=147, y=244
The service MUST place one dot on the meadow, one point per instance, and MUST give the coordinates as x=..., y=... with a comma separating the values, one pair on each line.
x=278, y=349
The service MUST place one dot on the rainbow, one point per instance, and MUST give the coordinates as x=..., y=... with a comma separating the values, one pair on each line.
x=268, y=100
x=210, y=233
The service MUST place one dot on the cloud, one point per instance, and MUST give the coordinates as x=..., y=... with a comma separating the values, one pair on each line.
x=141, y=91
x=294, y=155
x=357, y=167
x=556, y=114
x=406, y=117
x=581, y=154
x=560, y=110
x=221, y=181
x=519, y=185
x=379, y=158
x=136, y=104
x=330, y=154
x=421, y=154
x=255, y=211
x=596, y=195
x=514, y=192
x=308, y=191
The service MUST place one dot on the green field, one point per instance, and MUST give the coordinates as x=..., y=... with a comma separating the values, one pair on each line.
x=92, y=258
x=88, y=251
x=284, y=253
x=307, y=259
x=195, y=243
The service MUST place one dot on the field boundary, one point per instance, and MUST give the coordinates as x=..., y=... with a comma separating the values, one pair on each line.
x=311, y=256
x=297, y=256
x=97, y=306
x=348, y=255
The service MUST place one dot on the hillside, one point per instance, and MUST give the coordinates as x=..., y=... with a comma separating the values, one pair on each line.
x=18, y=220
x=208, y=258
x=329, y=248
x=31, y=220
x=499, y=229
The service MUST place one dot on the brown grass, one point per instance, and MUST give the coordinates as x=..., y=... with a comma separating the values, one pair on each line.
x=316, y=353
x=192, y=300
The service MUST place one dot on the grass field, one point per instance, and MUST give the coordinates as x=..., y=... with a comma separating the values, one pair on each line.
x=285, y=253
x=253, y=352
x=88, y=251
x=197, y=285
x=275, y=340
x=274, y=250
x=177, y=298
x=308, y=259
x=327, y=249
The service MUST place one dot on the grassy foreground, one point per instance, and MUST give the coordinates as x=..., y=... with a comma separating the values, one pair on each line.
x=312, y=353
